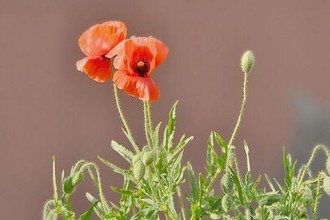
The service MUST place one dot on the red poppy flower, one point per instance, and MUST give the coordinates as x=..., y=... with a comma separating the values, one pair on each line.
x=95, y=43
x=136, y=59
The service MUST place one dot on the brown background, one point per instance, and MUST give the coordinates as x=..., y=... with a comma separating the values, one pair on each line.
x=47, y=107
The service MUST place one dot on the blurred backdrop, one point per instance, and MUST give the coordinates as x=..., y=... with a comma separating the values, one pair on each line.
x=49, y=108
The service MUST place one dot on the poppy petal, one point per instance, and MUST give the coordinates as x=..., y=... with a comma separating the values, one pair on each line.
x=97, y=69
x=162, y=52
x=143, y=88
x=101, y=38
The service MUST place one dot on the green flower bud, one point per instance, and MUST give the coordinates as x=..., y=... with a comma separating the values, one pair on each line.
x=308, y=199
x=77, y=178
x=136, y=157
x=225, y=203
x=227, y=183
x=148, y=157
x=326, y=185
x=271, y=199
x=327, y=165
x=247, y=61
x=68, y=186
x=138, y=170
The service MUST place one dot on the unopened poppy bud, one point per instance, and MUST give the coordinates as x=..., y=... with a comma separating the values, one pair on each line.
x=68, y=186
x=327, y=165
x=136, y=158
x=308, y=196
x=225, y=203
x=247, y=61
x=77, y=178
x=148, y=157
x=138, y=170
x=272, y=199
x=227, y=183
x=326, y=185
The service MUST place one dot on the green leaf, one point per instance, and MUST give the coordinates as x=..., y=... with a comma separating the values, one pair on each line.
x=289, y=168
x=115, y=168
x=170, y=128
x=88, y=214
x=145, y=213
x=211, y=157
x=221, y=142
x=193, y=183
x=122, y=151
x=155, y=136
x=98, y=205
x=181, y=145
x=238, y=185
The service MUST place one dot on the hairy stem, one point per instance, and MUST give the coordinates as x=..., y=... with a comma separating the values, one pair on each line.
x=316, y=149
x=99, y=184
x=317, y=196
x=55, y=196
x=239, y=119
x=147, y=129
x=128, y=131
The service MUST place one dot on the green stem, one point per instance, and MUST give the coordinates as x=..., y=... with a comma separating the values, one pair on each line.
x=47, y=211
x=238, y=123
x=181, y=202
x=239, y=119
x=99, y=184
x=316, y=149
x=127, y=130
x=317, y=196
x=231, y=153
x=147, y=124
x=68, y=202
x=55, y=196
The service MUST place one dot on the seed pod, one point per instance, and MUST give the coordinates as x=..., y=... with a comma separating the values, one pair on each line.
x=247, y=61
x=227, y=183
x=327, y=165
x=138, y=170
x=68, y=186
x=148, y=157
x=225, y=203
x=326, y=185
x=77, y=178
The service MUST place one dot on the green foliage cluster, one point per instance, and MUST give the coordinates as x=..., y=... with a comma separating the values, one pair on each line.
x=153, y=180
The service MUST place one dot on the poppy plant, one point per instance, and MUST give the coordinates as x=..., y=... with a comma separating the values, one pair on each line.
x=135, y=60
x=95, y=43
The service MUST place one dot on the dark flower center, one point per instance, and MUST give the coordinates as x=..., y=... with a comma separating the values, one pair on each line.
x=141, y=67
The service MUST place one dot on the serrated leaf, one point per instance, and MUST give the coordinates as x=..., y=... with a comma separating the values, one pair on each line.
x=155, y=135
x=93, y=200
x=88, y=214
x=193, y=183
x=211, y=156
x=170, y=127
x=181, y=145
x=122, y=151
x=221, y=142
x=115, y=168
x=238, y=185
